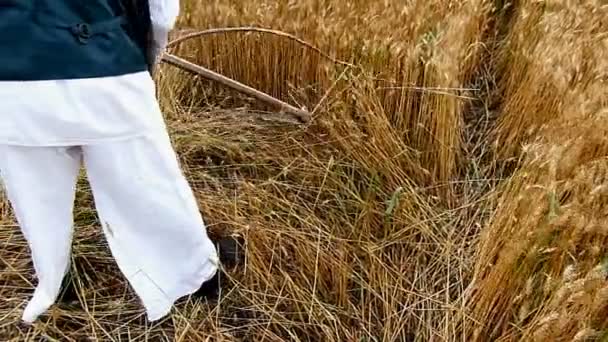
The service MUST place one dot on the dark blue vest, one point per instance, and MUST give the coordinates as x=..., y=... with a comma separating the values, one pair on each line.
x=68, y=39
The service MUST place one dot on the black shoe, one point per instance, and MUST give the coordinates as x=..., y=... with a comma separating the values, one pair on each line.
x=68, y=294
x=230, y=254
x=230, y=250
x=210, y=290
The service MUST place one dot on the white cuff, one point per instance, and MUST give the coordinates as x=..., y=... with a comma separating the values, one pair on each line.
x=164, y=13
x=160, y=37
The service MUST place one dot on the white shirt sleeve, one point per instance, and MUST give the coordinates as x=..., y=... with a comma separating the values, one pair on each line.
x=163, y=15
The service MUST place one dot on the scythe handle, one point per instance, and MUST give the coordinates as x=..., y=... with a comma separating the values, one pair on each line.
x=181, y=63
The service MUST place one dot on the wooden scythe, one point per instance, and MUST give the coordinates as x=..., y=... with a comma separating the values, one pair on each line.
x=302, y=115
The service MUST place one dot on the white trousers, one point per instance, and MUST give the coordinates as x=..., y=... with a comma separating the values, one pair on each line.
x=147, y=211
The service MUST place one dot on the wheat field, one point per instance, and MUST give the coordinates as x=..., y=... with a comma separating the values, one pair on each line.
x=452, y=185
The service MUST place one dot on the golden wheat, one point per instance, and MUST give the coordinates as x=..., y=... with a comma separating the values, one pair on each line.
x=421, y=56
x=541, y=271
x=555, y=51
x=383, y=219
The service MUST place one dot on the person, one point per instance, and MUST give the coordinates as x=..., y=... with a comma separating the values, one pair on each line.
x=76, y=87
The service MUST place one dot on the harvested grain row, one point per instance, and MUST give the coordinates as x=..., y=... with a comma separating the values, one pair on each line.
x=341, y=244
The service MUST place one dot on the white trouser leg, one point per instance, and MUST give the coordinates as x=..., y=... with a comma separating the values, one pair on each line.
x=40, y=184
x=151, y=219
